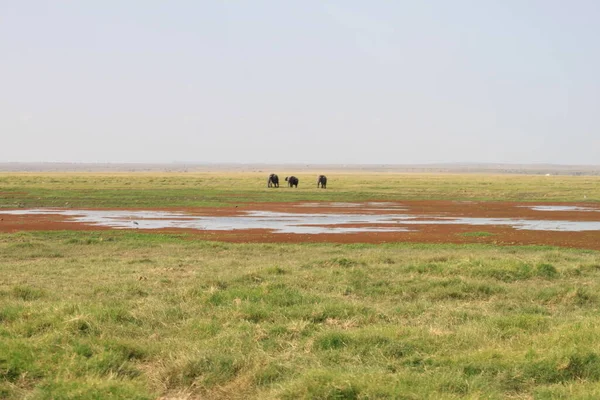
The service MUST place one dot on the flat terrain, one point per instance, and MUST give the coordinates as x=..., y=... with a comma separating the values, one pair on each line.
x=560, y=224
x=227, y=189
x=456, y=168
x=105, y=313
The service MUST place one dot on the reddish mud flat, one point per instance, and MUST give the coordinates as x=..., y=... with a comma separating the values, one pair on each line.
x=505, y=223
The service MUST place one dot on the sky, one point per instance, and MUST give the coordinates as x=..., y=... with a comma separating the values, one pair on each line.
x=300, y=81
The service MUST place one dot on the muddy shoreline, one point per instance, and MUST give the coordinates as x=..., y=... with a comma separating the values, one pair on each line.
x=423, y=224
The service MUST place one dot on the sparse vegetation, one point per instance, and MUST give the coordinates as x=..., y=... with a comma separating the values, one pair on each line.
x=477, y=234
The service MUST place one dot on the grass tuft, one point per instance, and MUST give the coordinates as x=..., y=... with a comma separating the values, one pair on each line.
x=27, y=293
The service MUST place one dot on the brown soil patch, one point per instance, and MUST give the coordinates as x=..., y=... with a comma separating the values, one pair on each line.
x=501, y=235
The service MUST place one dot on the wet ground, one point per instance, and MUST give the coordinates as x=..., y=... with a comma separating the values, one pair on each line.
x=572, y=225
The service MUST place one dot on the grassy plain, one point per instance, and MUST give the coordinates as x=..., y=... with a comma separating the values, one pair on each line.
x=226, y=189
x=142, y=316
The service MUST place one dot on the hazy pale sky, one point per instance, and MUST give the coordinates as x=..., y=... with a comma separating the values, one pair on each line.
x=302, y=81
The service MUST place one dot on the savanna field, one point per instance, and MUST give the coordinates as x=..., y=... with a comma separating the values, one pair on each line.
x=151, y=315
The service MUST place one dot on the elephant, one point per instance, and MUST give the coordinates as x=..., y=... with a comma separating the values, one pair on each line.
x=292, y=181
x=322, y=181
x=273, y=181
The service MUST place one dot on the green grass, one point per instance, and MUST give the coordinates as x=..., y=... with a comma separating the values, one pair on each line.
x=226, y=189
x=477, y=234
x=140, y=316
x=143, y=316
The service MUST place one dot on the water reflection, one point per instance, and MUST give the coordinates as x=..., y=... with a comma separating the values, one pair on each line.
x=299, y=222
x=562, y=208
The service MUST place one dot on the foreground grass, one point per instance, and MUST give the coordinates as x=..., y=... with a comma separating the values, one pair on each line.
x=140, y=316
x=226, y=189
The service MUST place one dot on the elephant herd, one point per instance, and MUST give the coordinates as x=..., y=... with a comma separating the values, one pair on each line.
x=293, y=181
